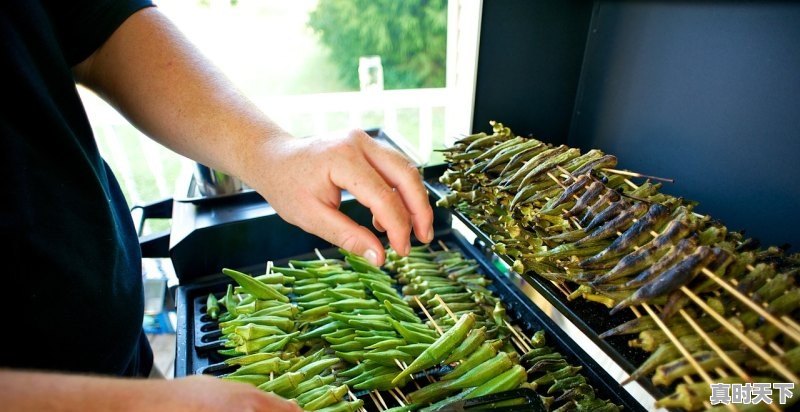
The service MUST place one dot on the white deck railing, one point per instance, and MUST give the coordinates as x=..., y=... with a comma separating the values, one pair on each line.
x=141, y=164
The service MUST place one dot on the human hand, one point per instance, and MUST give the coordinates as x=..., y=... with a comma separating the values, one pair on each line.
x=203, y=393
x=302, y=181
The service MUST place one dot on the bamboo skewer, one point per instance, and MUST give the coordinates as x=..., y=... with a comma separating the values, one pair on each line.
x=446, y=308
x=635, y=174
x=425, y=311
x=380, y=398
x=750, y=344
x=399, y=401
x=402, y=395
x=713, y=345
x=776, y=348
x=752, y=305
x=375, y=401
x=682, y=349
x=790, y=322
x=519, y=337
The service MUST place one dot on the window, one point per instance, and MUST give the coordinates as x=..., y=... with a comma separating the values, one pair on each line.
x=300, y=62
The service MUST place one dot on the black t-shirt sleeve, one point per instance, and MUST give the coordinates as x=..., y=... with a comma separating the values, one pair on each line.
x=82, y=26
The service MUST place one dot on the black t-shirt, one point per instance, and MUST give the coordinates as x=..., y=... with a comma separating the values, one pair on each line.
x=71, y=265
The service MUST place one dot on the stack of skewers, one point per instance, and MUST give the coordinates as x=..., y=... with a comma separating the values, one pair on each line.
x=710, y=305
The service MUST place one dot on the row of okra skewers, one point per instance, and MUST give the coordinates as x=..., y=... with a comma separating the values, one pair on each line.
x=574, y=220
x=322, y=332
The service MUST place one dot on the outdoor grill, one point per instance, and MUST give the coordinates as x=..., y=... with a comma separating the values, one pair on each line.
x=574, y=47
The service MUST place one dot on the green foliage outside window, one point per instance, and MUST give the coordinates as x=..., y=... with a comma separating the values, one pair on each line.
x=410, y=36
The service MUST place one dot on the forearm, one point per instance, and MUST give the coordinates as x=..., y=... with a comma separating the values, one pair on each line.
x=22, y=391
x=151, y=73
x=39, y=391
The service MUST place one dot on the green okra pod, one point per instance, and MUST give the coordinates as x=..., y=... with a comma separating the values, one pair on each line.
x=317, y=367
x=347, y=346
x=274, y=279
x=338, y=279
x=314, y=263
x=322, y=330
x=230, y=302
x=264, y=367
x=307, y=360
x=254, y=287
x=439, y=349
x=280, y=344
x=353, y=372
x=230, y=352
x=316, y=312
x=412, y=336
x=283, y=384
x=212, y=306
x=310, y=288
x=309, y=396
x=506, y=381
x=380, y=383
x=352, y=356
x=338, y=294
x=562, y=373
x=339, y=341
x=371, y=333
x=355, y=303
x=414, y=349
x=566, y=383
x=399, y=313
x=315, y=303
x=284, y=311
x=370, y=340
x=385, y=344
x=329, y=397
x=249, y=359
x=419, y=328
x=254, y=380
x=548, y=365
x=370, y=373
x=312, y=296
x=295, y=273
x=474, y=339
x=230, y=326
x=388, y=357
x=485, y=352
x=311, y=384
x=500, y=363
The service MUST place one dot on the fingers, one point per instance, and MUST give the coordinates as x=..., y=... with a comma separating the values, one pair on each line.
x=335, y=227
x=377, y=225
x=369, y=188
x=401, y=174
x=278, y=404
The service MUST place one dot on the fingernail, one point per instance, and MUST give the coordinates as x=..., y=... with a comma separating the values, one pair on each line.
x=407, y=249
x=371, y=256
x=430, y=234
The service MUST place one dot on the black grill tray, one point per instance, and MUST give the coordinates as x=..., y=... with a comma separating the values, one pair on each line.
x=197, y=334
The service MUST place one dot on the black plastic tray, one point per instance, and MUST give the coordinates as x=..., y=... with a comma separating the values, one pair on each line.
x=197, y=333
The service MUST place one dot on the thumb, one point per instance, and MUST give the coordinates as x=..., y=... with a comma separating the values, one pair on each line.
x=335, y=227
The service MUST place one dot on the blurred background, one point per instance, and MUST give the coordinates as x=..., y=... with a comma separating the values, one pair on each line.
x=314, y=66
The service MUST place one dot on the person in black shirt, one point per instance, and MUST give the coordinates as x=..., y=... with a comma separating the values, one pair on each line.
x=71, y=259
